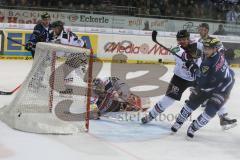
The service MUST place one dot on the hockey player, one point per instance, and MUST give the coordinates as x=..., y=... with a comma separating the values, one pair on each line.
x=184, y=78
x=225, y=121
x=203, y=31
x=110, y=94
x=74, y=60
x=213, y=84
x=65, y=37
x=183, y=75
x=41, y=33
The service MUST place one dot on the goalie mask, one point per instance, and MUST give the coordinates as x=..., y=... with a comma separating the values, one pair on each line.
x=98, y=86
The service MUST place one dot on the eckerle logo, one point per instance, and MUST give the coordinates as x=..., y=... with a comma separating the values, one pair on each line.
x=73, y=18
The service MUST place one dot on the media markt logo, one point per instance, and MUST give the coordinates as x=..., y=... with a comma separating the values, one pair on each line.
x=129, y=47
x=73, y=17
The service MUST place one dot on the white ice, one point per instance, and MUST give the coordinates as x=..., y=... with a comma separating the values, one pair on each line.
x=115, y=139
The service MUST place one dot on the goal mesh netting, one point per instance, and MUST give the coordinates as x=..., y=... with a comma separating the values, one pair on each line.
x=55, y=96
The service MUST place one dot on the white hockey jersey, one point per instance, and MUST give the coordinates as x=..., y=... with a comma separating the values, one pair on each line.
x=180, y=68
x=68, y=38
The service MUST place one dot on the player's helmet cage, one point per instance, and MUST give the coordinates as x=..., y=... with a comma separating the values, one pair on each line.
x=182, y=34
x=57, y=24
x=98, y=85
x=211, y=42
x=45, y=15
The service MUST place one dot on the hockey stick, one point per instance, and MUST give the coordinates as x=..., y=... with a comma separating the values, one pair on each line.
x=10, y=39
x=11, y=92
x=154, y=38
x=15, y=41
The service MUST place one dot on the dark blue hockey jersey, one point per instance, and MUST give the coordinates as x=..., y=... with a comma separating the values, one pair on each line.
x=215, y=75
x=41, y=34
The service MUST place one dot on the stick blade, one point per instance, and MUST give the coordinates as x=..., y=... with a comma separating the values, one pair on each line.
x=154, y=35
x=5, y=93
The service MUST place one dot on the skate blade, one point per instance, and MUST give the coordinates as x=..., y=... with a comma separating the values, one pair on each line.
x=227, y=127
x=188, y=138
x=172, y=133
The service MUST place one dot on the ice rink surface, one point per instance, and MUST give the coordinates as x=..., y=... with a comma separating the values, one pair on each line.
x=114, y=139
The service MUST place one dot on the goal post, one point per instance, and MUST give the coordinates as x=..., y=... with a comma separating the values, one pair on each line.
x=55, y=96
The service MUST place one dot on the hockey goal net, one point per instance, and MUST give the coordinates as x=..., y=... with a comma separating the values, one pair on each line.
x=55, y=96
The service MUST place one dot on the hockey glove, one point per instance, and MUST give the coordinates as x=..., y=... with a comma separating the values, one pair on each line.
x=194, y=90
x=192, y=67
x=29, y=46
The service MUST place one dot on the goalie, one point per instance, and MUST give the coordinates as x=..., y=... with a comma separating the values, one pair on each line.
x=113, y=95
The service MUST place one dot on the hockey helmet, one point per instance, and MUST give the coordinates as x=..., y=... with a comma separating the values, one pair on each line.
x=45, y=15
x=211, y=42
x=183, y=34
x=57, y=24
x=98, y=85
x=204, y=25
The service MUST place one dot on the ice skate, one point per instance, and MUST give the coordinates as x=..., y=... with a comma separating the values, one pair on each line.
x=175, y=127
x=147, y=118
x=227, y=123
x=191, y=130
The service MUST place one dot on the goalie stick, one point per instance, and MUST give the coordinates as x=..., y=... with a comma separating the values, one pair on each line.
x=154, y=38
x=11, y=92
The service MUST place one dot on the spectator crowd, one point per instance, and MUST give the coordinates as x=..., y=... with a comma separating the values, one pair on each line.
x=222, y=10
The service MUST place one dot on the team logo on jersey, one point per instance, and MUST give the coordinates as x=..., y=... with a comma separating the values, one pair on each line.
x=204, y=69
x=175, y=49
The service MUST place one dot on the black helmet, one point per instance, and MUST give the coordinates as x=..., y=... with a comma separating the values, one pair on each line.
x=204, y=25
x=183, y=34
x=211, y=42
x=45, y=15
x=57, y=24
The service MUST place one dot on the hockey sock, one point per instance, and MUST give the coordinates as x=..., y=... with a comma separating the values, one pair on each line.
x=222, y=111
x=160, y=106
x=184, y=114
x=201, y=121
